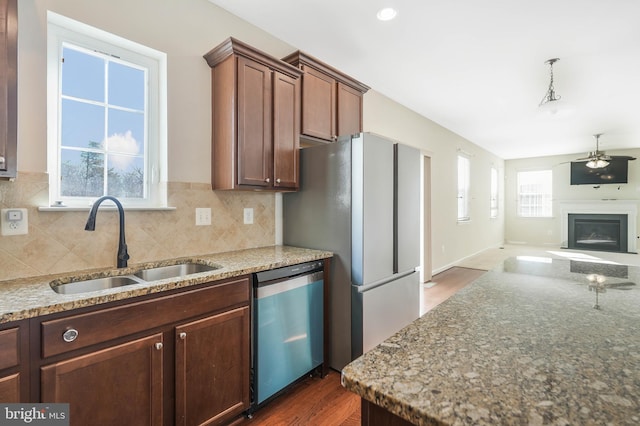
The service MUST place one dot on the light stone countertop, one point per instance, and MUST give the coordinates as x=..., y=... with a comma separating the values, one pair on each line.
x=31, y=297
x=521, y=345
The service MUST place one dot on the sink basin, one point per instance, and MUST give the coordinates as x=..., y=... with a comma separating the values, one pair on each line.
x=142, y=276
x=173, y=271
x=93, y=285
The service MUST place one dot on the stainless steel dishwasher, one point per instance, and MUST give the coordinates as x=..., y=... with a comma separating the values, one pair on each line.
x=287, y=327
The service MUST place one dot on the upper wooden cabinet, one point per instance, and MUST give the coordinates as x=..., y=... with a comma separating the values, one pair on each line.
x=256, y=119
x=331, y=100
x=8, y=88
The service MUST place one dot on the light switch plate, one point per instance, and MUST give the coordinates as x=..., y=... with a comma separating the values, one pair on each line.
x=203, y=216
x=14, y=221
x=248, y=216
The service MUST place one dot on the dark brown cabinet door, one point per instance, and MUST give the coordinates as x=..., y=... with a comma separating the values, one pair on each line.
x=8, y=87
x=286, y=131
x=10, y=388
x=318, y=104
x=254, y=124
x=121, y=385
x=212, y=368
x=349, y=110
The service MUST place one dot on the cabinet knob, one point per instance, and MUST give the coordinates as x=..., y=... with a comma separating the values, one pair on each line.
x=278, y=180
x=70, y=335
x=159, y=345
x=334, y=137
x=267, y=180
x=182, y=335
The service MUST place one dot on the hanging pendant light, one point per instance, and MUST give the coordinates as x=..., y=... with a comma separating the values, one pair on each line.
x=551, y=102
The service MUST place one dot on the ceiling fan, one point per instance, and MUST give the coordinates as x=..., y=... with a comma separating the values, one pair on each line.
x=599, y=159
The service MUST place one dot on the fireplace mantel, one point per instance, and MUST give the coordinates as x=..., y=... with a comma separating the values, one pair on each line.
x=628, y=207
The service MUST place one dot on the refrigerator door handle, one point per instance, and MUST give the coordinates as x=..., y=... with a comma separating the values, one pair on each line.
x=371, y=286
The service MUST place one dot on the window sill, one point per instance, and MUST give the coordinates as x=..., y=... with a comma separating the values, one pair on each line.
x=86, y=209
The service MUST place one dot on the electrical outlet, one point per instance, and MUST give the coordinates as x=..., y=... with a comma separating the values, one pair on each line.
x=203, y=216
x=248, y=216
x=14, y=221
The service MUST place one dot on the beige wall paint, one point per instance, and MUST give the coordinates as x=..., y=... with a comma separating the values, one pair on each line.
x=546, y=231
x=185, y=30
x=451, y=241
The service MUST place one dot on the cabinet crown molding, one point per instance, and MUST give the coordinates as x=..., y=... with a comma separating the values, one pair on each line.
x=234, y=46
x=299, y=58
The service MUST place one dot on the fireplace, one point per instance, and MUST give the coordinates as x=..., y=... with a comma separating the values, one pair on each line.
x=603, y=232
x=628, y=208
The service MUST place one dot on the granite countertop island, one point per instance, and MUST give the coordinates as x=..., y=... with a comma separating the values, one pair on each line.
x=535, y=341
x=32, y=297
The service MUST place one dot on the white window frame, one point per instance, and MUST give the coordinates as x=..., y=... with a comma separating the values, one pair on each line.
x=463, y=187
x=494, y=206
x=62, y=30
x=534, y=199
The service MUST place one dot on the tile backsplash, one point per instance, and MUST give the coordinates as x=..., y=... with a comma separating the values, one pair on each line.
x=58, y=243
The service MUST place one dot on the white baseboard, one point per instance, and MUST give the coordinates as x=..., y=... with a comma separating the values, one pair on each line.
x=455, y=262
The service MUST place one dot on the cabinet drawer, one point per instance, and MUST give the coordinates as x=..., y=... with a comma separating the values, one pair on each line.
x=111, y=323
x=9, y=348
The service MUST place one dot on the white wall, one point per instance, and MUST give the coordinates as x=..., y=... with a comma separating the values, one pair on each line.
x=546, y=231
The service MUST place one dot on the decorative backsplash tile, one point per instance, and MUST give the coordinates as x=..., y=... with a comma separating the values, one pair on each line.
x=57, y=241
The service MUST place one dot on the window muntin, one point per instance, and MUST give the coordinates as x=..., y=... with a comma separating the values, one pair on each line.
x=107, y=117
x=464, y=183
x=535, y=193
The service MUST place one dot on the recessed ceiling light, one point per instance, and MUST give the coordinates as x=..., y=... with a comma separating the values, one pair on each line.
x=386, y=13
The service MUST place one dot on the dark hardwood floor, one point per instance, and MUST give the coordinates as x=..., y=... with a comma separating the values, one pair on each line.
x=313, y=401
x=324, y=402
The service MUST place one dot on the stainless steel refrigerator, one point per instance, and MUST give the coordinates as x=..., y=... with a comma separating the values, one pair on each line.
x=359, y=198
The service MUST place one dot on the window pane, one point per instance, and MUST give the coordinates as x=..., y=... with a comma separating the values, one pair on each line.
x=82, y=124
x=126, y=86
x=82, y=75
x=493, y=204
x=535, y=193
x=126, y=176
x=81, y=174
x=463, y=187
x=126, y=132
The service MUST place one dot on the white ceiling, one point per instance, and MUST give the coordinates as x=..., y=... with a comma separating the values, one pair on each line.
x=478, y=68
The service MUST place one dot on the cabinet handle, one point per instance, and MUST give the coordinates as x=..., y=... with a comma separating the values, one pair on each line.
x=70, y=335
x=182, y=335
x=158, y=345
x=278, y=180
x=267, y=180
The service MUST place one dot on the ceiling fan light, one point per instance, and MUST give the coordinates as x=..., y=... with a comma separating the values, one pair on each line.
x=597, y=163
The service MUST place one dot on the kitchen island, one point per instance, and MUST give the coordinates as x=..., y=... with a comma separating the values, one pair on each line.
x=535, y=341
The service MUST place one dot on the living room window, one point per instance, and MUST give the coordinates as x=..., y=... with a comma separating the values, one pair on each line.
x=464, y=183
x=493, y=201
x=107, y=115
x=534, y=193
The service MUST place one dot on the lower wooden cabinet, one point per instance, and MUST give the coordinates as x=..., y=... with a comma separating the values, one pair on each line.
x=14, y=362
x=182, y=358
x=121, y=385
x=212, y=368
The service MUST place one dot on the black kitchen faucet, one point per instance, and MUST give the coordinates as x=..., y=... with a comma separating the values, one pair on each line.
x=123, y=256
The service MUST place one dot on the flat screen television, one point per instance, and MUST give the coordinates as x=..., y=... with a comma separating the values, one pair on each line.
x=615, y=172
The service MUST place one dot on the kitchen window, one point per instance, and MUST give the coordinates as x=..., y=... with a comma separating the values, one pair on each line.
x=464, y=183
x=493, y=200
x=107, y=109
x=534, y=193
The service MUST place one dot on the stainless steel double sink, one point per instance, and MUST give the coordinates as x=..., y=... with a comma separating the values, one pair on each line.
x=140, y=277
